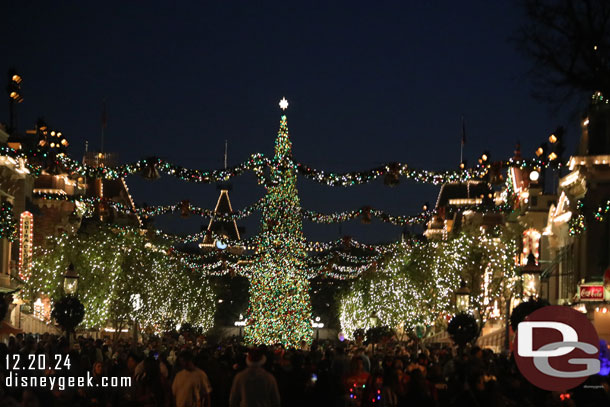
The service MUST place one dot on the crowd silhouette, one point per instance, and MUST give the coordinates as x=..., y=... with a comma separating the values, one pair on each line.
x=185, y=370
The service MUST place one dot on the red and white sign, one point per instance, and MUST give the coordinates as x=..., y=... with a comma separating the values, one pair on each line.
x=592, y=292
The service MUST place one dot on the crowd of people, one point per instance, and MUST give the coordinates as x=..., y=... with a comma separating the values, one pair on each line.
x=183, y=370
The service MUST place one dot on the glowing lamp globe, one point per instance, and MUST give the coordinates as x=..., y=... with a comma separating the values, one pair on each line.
x=71, y=280
x=462, y=297
x=374, y=319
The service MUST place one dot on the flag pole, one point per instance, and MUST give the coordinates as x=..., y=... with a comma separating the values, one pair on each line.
x=104, y=119
x=462, y=141
x=226, y=148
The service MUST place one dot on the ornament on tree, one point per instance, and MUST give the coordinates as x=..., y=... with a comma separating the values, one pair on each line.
x=392, y=177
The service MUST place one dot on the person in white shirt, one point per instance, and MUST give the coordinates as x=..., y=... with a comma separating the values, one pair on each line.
x=191, y=387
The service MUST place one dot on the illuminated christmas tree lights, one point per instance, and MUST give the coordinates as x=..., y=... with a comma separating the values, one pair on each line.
x=280, y=306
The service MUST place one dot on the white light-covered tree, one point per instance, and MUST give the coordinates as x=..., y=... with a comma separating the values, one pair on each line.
x=416, y=284
x=123, y=277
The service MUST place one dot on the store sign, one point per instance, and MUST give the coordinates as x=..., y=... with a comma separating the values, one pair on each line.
x=592, y=292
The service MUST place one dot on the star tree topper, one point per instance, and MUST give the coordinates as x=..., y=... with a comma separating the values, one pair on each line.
x=283, y=104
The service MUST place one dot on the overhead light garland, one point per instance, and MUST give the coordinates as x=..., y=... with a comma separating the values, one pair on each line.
x=394, y=170
x=365, y=214
x=186, y=209
x=148, y=166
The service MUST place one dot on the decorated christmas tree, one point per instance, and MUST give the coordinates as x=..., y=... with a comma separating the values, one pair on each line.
x=280, y=306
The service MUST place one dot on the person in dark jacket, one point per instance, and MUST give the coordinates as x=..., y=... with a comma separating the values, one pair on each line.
x=254, y=386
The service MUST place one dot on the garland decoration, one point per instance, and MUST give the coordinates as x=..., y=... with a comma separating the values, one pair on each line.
x=578, y=223
x=365, y=214
x=8, y=222
x=602, y=211
x=463, y=328
x=186, y=209
x=68, y=312
x=151, y=167
x=392, y=171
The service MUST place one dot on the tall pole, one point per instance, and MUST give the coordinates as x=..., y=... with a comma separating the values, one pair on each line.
x=462, y=141
x=507, y=325
x=104, y=120
x=11, y=119
x=226, y=150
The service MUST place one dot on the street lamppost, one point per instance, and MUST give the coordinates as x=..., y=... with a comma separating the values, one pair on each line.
x=241, y=323
x=317, y=324
x=69, y=311
x=374, y=319
x=530, y=274
x=462, y=297
x=71, y=280
x=13, y=89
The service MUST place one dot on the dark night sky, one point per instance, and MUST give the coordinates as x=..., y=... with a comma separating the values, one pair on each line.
x=367, y=82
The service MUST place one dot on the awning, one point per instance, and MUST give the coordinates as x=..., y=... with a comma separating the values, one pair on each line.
x=8, y=290
x=441, y=337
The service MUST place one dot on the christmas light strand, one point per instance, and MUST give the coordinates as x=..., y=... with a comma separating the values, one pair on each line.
x=186, y=209
x=150, y=168
x=8, y=222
